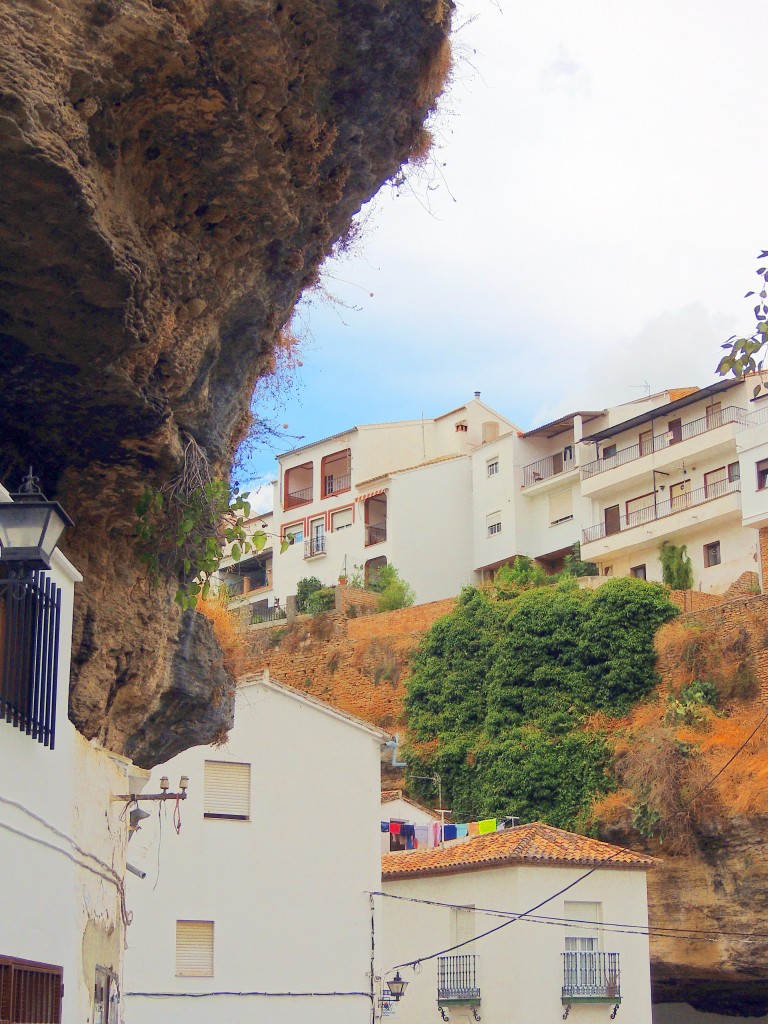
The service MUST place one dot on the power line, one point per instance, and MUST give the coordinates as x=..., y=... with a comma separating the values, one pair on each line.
x=619, y=850
x=621, y=927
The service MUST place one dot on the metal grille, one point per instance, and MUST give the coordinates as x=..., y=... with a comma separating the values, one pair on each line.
x=457, y=978
x=30, y=993
x=30, y=610
x=591, y=975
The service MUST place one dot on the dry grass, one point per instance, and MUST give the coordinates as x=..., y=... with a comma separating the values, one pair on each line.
x=228, y=630
x=435, y=74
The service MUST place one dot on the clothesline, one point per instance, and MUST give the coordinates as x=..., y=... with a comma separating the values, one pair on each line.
x=433, y=834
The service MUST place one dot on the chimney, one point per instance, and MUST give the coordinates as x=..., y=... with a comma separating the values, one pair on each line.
x=477, y=394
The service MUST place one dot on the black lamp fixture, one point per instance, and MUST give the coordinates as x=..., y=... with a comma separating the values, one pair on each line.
x=397, y=987
x=30, y=528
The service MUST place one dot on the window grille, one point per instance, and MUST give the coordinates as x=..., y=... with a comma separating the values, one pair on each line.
x=30, y=993
x=30, y=610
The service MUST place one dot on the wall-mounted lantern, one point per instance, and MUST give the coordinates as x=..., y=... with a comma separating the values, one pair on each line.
x=30, y=528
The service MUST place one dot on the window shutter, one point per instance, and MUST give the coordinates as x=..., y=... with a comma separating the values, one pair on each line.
x=341, y=519
x=560, y=506
x=227, y=790
x=194, y=949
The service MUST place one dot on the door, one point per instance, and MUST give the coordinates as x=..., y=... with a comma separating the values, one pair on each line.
x=318, y=536
x=675, y=428
x=646, y=442
x=679, y=495
x=612, y=520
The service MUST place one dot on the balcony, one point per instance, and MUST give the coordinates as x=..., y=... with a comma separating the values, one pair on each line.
x=314, y=546
x=553, y=465
x=457, y=979
x=301, y=497
x=273, y=614
x=336, y=484
x=591, y=977
x=375, y=534
x=666, y=439
x=660, y=510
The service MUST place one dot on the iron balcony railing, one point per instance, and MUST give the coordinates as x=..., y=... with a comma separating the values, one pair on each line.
x=457, y=979
x=335, y=484
x=274, y=614
x=30, y=610
x=731, y=414
x=560, y=462
x=375, y=534
x=314, y=546
x=300, y=497
x=659, y=510
x=591, y=975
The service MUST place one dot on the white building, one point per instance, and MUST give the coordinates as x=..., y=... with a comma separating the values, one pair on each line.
x=562, y=961
x=397, y=493
x=63, y=837
x=259, y=908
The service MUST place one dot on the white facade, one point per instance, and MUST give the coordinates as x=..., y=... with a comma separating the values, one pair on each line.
x=280, y=892
x=63, y=845
x=516, y=974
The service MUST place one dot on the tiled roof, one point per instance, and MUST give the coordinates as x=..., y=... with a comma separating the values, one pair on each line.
x=525, y=844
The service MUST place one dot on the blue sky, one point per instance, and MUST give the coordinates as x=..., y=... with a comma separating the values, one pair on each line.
x=588, y=222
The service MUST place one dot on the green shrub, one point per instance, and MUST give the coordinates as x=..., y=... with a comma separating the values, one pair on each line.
x=321, y=600
x=676, y=566
x=305, y=588
x=506, y=686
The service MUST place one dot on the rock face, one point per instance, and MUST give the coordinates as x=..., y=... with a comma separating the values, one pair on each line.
x=173, y=175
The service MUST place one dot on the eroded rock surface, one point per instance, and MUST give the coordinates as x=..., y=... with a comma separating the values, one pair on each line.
x=172, y=175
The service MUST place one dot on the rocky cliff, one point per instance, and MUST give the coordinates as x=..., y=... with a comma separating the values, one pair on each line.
x=174, y=172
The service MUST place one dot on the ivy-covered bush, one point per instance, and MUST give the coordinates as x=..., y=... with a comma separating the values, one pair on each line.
x=501, y=689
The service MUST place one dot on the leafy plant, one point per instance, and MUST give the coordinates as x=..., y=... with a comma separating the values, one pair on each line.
x=741, y=358
x=321, y=600
x=182, y=526
x=305, y=588
x=688, y=707
x=676, y=566
x=501, y=690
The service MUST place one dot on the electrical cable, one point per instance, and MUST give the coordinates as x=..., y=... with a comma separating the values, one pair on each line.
x=619, y=850
x=271, y=995
x=620, y=927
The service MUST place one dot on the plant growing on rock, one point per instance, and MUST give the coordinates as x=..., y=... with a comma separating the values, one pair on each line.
x=676, y=566
x=182, y=526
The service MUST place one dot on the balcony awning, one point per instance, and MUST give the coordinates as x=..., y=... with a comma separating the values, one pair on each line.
x=371, y=494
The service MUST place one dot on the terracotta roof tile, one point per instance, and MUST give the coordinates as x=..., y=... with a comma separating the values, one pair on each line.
x=524, y=844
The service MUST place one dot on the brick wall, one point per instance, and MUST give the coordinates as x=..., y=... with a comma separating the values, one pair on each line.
x=416, y=619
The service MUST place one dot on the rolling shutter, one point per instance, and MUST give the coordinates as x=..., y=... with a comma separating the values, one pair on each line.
x=227, y=790
x=194, y=949
x=560, y=507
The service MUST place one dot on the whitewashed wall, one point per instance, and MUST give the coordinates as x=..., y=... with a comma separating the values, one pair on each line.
x=57, y=906
x=520, y=967
x=286, y=890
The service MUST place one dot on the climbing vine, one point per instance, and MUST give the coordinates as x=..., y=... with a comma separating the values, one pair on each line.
x=182, y=527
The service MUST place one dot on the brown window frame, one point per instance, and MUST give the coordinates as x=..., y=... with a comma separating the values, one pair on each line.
x=638, y=572
x=18, y=1003
x=734, y=472
x=325, y=476
x=762, y=474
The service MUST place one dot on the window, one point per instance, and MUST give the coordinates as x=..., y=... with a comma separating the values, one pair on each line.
x=341, y=520
x=762, y=474
x=607, y=570
x=30, y=991
x=609, y=451
x=641, y=509
x=294, y=533
x=638, y=571
x=315, y=545
x=106, y=997
x=194, y=949
x=734, y=472
x=715, y=483
x=29, y=639
x=463, y=928
x=492, y=467
x=336, y=472
x=712, y=554
x=375, y=512
x=679, y=494
x=298, y=485
x=462, y=427
x=612, y=520
x=227, y=786
x=584, y=934
x=675, y=428
x=493, y=524
x=560, y=507
x=371, y=568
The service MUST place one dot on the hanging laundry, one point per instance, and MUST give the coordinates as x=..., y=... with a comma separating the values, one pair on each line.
x=385, y=826
x=473, y=828
x=422, y=835
x=486, y=826
x=462, y=831
x=449, y=832
x=394, y=828
x=434, y=828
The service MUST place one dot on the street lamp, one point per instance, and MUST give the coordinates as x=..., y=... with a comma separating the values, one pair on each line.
x=30, y=528
x=397, y=987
